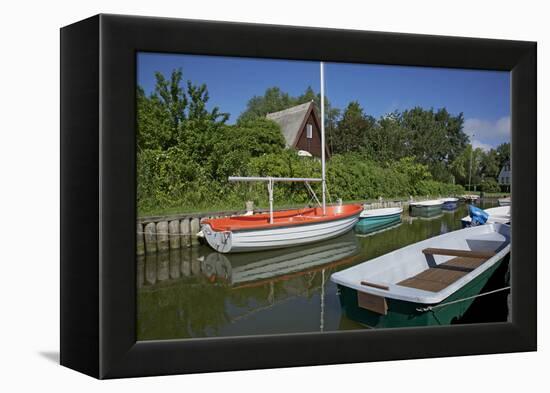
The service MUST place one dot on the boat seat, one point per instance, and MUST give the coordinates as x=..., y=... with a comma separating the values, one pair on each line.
x=441, y=276
x=459, y=253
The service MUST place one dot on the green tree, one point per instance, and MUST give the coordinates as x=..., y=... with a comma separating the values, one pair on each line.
x=489, y=184
x=236, y=145
x=436, y=138
x=273, y=100
x=460, y=167
x=387, y=140
x=351, y=131
x=503, y=151
x=173, y=111
x=490, y=163
x=154, y=128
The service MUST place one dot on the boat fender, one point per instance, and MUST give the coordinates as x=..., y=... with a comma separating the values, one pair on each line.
x=478, y=216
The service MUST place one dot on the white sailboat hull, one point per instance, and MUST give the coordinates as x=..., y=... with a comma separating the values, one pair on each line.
x=279, y=237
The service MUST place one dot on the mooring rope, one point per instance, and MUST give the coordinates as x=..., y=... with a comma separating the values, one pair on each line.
x=430, y=308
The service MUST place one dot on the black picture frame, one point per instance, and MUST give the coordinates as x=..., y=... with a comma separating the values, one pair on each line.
x=98, y=188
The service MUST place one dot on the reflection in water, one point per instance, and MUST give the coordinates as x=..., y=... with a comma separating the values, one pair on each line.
x=239, y=269
x=196, y=292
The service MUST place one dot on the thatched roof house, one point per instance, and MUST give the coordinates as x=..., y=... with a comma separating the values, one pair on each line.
x=301, y=128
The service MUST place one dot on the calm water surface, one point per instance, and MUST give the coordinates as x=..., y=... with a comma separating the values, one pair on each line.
x=200, y=293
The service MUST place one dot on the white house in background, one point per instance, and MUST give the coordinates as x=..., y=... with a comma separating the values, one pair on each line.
x=505, y=175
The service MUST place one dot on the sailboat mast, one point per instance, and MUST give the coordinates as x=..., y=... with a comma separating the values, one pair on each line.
x=323, y=179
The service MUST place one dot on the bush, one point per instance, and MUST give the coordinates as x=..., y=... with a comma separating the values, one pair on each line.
x=352, y=177
x=489, y=185
x=432, y=187
x=172, y=180
x=165, y=177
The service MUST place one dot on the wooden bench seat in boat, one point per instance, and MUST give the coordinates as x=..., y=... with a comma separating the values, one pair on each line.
x=459, y=253
x=441, y=276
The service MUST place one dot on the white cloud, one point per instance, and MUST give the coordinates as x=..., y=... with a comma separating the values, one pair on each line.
x=488, y=133
x=483, y=146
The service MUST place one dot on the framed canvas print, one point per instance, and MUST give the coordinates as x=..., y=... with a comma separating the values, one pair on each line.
x=239, y=196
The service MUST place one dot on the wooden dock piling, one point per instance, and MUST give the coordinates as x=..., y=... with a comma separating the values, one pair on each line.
x=174, y=234
x=185, y=230
x=150, y=232
x=195, y=227
x=162, y=236
x=140, y=240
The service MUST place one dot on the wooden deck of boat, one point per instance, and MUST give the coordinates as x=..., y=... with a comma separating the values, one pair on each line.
x=437, y=278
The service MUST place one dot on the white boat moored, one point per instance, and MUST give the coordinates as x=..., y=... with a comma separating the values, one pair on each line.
x=390, y=270
x=389, y=211
x=433, y=202
x=442, y=274
x=499, y=215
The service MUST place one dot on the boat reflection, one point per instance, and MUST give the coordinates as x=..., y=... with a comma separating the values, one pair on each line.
x=236, y=270
x=200, y=293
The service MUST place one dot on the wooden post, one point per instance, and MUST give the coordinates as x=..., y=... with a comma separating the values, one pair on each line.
x=162, y=236
x=185, y=231
x=195, y=227
x=140, y=240
x=150, y=237
x=174, y=234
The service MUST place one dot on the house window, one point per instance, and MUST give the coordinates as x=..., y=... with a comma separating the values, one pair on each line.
x=309, y=131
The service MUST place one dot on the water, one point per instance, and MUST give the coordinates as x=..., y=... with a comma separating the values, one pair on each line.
x=197, y=292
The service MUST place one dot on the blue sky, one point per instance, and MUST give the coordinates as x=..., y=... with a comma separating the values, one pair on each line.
x=483, y=96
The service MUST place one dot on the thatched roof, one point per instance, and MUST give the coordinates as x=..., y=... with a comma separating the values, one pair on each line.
x=292, y=121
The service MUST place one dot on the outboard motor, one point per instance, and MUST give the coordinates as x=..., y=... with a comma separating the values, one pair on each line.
x=478, y=216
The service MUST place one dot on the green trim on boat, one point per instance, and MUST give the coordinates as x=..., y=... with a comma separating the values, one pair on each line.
x=405, y=314
x=432, y=210
x=372, y=224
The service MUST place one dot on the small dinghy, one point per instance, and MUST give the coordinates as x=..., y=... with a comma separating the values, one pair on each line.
x=469, y=198
x=432, y=282
x=377, y=219
x=426, y=208
x=499, y=214
x=449, y=204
